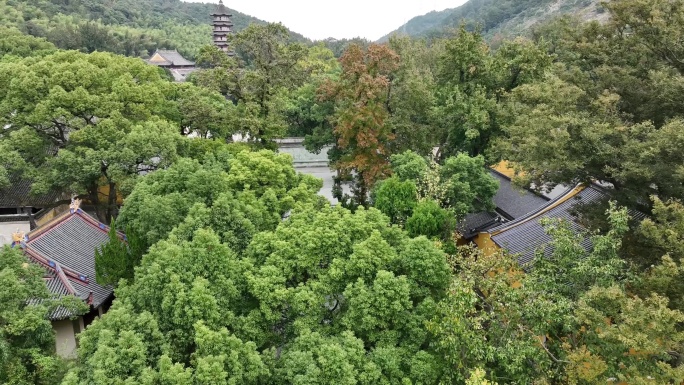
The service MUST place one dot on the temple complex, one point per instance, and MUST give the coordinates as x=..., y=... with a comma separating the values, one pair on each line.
x=178, y=66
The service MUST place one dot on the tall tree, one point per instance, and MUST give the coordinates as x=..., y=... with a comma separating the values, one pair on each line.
x=470, y=81
x=267, y=65
x=572, y=317
x=619, y=122
x=328, y=294
x=360, y=127
x=84, y=123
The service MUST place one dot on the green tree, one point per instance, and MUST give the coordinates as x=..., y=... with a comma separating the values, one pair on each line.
x=470, y=82
x=617, y=83
x=430, y=220
x=571, y=318
x=462, y=184
x=396, y=199
x=328, y=294
x=236, y=194
x=27, y=341
x=90, y=122
x=412, y=96
x=116, y=259
x=14, y=43
x=267, y=66
x=205, y=113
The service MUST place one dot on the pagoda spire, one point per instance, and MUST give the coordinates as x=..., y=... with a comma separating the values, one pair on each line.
x=223, y=26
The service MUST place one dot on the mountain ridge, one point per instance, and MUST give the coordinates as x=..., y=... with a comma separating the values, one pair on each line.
x=496, y=17
x=145, y=24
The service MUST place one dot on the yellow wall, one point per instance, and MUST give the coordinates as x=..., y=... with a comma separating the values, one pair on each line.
x=505, y=168
x=52, y=214
x=157, y=58
x=485, y=243
x=103, y=192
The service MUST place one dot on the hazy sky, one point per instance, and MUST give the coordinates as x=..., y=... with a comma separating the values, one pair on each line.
x=320, y=19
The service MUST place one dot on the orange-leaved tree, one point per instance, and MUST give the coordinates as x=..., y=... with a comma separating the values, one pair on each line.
x=361, y=96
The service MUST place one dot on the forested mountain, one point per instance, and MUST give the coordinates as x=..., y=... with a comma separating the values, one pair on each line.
x=129, y=27
x=505, y=17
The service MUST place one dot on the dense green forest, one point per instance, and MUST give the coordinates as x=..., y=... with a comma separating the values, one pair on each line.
x=496, y=17
x=239, y=273
x=128, y=27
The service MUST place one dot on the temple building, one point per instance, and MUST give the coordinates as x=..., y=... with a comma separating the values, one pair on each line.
x=517, y=226
x=511, y=203
x=65, y=248
x=174, y=62
x=223, y=27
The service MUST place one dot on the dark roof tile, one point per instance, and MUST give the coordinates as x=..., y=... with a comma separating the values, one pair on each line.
x=525, y=235
x=19, y=195
x=69, y=243
x=515, y=202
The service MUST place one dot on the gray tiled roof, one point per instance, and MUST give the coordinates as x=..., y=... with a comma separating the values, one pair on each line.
x=475, y=223
x=515, y=202
x=181, y=74
x=67, y=246
x=19, y=194
x=174, y=58
x=525, y=235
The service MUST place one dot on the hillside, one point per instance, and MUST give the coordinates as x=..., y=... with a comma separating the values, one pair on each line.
x=129, y=27
x=505, y=17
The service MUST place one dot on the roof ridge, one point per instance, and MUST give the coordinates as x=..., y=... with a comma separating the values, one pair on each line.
x=64, y=279
x=529, y=189
x=52, y=223
x=549, y=206
x=46, y=262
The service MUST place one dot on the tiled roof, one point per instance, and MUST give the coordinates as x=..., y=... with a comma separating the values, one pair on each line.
x=65, y=247
x=174, y=58
x=475, y=223
x=525, y=235
x=19, y=194
x=511, y=203
x=14, y=218
x=515, y=202
x=181, y=74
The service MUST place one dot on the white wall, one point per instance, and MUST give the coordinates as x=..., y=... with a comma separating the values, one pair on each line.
x=65, y=338
x=9, y=228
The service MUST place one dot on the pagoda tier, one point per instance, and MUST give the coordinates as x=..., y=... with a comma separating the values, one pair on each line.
x=223, y=26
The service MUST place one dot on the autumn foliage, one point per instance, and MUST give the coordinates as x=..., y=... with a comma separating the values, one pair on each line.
x=361, y=95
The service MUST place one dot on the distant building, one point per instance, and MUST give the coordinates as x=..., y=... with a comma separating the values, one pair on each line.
x=65, y=248
x=178, y=66
x=22, y=211
x=223, y=27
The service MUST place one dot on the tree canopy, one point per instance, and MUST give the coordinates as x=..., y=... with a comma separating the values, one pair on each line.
x=80, y=123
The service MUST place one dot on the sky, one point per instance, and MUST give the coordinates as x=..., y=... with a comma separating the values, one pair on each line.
x=320, y=19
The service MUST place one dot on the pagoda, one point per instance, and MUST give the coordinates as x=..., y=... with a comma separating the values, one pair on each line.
x=223, y=27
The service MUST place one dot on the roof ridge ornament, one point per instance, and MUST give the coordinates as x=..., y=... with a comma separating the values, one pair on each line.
x=19, y=237
x=75, y=204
